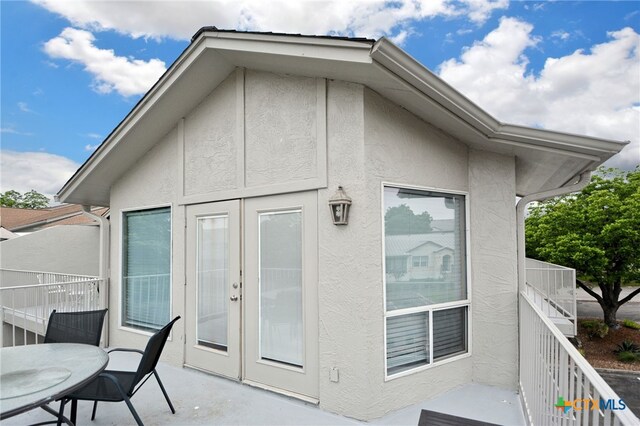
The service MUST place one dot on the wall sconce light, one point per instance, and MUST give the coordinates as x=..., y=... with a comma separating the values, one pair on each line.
x=339, y=205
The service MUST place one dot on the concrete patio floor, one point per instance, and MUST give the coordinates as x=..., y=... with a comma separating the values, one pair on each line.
x=200, y=398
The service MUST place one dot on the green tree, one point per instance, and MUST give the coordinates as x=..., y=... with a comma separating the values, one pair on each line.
x=10, y=198
x=401, y=220
x=596, y=232
x=30, y=200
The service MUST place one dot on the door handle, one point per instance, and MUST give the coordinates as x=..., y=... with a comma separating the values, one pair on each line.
x=234, y=298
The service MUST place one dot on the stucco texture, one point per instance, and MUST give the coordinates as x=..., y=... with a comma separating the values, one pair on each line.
x=153, y=182
x=69, y=249
x=370, y=141
x=494, y=269
x=210, y=145
x=280, y=128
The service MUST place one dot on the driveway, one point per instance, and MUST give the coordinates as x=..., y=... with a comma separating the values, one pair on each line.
x=627, y=385
x=589, y=308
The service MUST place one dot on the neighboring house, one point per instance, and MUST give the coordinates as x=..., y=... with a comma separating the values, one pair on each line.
x=218, y=183
x=56, y=239
x=28, y=220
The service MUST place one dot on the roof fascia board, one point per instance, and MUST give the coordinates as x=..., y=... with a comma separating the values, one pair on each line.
x=426, y=98
x=284, y=39
x=353, y=52
x=421, y=79
x=570, y=140
x=543, y=148
x=188, y=56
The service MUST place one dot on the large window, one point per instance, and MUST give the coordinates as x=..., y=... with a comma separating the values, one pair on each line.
x=427, y=305
x=146, y=266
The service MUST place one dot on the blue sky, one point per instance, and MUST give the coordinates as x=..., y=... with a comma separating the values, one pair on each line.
x=71, y=70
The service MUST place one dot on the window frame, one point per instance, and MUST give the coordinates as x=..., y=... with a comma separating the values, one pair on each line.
x=420, y=258
x=429, y=309
x=123, y=212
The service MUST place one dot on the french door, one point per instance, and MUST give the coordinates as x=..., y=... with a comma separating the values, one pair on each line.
x=263, y=328
x=213, y=288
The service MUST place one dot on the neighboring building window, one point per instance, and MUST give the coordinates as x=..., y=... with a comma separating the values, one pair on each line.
x=420, y=261
x=427, y=310
x=146, y=267
x=446, y=263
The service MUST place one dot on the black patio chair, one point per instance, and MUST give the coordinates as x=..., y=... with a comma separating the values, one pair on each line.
x=72, y=327
x=75, y=327
x=117, y=386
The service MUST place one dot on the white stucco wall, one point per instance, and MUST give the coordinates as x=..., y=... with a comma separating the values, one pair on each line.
x=402, y=149
x=210, y=148
x=369, y=140
x=494, y=269
x=153, y=182
x=71, y=249
x=280, y=128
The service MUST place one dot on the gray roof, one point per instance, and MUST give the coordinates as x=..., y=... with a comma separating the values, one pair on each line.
x=402, y=245
x=442, y=225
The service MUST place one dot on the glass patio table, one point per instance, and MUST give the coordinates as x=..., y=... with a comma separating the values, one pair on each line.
x=34, y=375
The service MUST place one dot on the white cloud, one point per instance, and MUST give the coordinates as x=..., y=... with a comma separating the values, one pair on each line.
x=89, y=147
x=24, y=107
x=127, y=76
x=561, y=34
x=480, y=10
x=180, y=20
x=592, y=93
x=12, y=131
x=24, y=171
x=92, y=135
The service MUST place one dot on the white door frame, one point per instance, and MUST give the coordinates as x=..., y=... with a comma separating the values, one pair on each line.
x=301, y=382
x=215, y=360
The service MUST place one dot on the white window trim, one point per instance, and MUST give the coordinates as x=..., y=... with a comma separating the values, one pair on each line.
x=430, y=308
x=120, y=265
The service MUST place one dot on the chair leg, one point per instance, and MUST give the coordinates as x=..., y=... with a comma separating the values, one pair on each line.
x=74, y=410
x=173, y=411
x=93, y=413
x=61, y=412
x=133, y=411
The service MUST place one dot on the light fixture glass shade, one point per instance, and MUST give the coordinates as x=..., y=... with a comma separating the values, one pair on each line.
x=339, y=205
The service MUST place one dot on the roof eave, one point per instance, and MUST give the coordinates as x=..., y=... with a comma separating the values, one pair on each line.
x=382, y=54
x=205, y=38
x=416, y=75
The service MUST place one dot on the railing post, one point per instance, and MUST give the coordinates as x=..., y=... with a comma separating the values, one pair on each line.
x=1, y=322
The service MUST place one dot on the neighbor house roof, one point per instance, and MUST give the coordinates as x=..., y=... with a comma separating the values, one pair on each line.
x=544, y=159
x=26, y=220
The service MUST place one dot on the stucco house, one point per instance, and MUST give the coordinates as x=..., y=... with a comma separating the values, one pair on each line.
x=59, y=239
x=219, y=181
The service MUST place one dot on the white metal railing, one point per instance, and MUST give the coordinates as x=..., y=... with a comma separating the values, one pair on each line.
x=552, y=372
x=147, y=300
x=25, y=308
x=554, y=288
x=15, y=277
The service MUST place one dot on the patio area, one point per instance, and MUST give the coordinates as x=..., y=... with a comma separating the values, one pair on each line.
x=200, y=398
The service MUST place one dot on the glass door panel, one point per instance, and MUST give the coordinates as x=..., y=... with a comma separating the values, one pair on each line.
x=212, y=281
x=280, y=293
x=212, y=291
x=280, y=281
